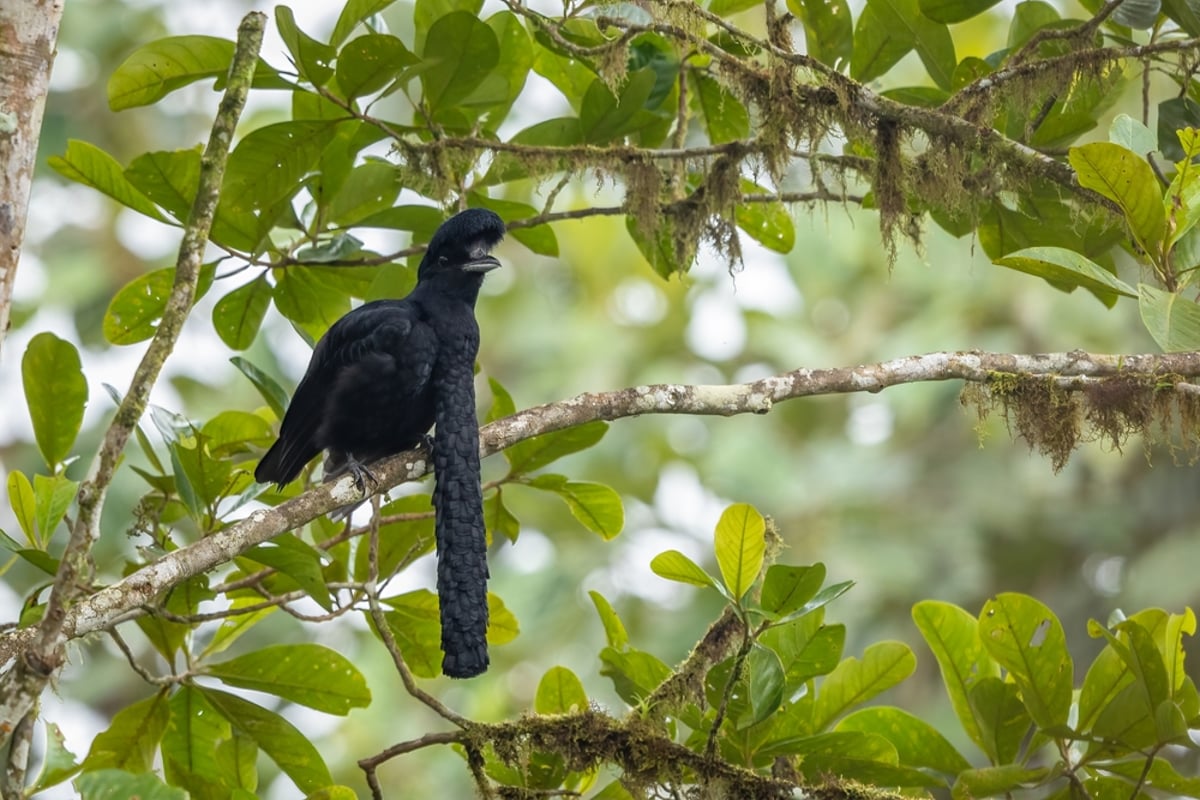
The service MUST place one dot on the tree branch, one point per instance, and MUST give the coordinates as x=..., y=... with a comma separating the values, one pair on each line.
x=22, y=685
x=29, y=32
x=1071, y=371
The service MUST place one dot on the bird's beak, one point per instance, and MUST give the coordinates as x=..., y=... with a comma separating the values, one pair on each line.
x=481, y=262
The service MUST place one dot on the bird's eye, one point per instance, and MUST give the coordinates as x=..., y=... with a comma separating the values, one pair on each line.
x=442, y=259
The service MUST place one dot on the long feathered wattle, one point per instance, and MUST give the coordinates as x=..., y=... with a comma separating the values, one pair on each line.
x=462, y=569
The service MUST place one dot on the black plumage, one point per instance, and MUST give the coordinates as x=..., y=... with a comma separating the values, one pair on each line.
x=379, y=378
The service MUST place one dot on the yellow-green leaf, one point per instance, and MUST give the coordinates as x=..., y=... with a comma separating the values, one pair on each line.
x=1126, y=179
x=740, y=544
x=56, y=392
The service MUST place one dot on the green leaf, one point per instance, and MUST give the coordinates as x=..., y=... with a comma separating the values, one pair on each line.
x=502, y=623
x=1184, y=12
x=560, y=692
x=740, y=544
x=188, y=746
x=299, y=561
x=116, y=784
x=787, y=589
x=156, y=69
x=766, y=683
x=868, y=758
x=37, y=557
x=24, y=507
x=498, y=519
x=237, y=757
x=635, y=674
x=725, y=118
x=614, y=629
x=269, y=162
x=1126, y=179
x=461, y=51
x=369, y=189
x=58, y=763
x=136, y=309
x=233, y=627
x=53, y=497
x=414, y=624
x=267, y=386
x=917, y=743
x=302, y=298
x=275, y=736
x=1171, y=319
x=1003, y=720
x=1059, y=265
x=1137, y=14
x=1025, y=638
x=502, y=402
x=369, y=63
x=806, y=647
x=538, y=451
x=988, y=781
x=769, y=224
x=1132, y=135
x=238, y=315
x=595, y=505
x=675, y=566
x=87, y=164
x=888, y=29
x=513, y=69
x=605, y=117
x=828, y=29
x=951, y=11
x=312, y=58
x=56, y=393
x=953, y=636
x=854, y=682
x=169, y=178
x=132, y=737
x=309, y=674
x=354, y=12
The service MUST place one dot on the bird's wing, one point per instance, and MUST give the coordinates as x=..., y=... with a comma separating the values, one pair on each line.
x=374, y=327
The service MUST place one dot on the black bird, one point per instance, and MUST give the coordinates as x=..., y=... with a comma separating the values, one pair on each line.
x=379, y=378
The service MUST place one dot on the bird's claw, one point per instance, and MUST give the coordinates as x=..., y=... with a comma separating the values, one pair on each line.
x=360, y=474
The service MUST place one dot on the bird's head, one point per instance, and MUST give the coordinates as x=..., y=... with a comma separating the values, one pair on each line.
x=463, y=244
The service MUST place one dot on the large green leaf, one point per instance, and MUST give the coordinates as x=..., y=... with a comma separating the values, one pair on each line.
x=953, y=636
x=156, y=69
x=297, y=560
x=1004, y=722
x=605, y=117
x=56, y=393
x=369, y=63
x=1127, y=179
x=853, y=682
x=828, y=29
x=675, y=566
x=595, y=505
x=740, y=545
x=117, y=784
x=559, y=692
x=24, y=506
x=91, y=166
x=1172, y=319
x=461, y=51
x=58, y=763
x=189, y=744
x=538, y=451
x=134, y=312
x=787, y=588
x=52, y=498
x=307, y=673
x=1026, y=638
x=301, y=297
x=635, y=674
x=132, y=737
x=169, y=178
x=888, y=29
x=313, y=59
x=238, y=315
x=1063, y=266
x=807, y=647
x=269, y=162
x=724, y=116
x=978, y=783
x=287, y=747
x=917, y=743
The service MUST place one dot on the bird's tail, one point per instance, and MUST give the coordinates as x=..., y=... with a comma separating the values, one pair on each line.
x=285, y=459
x=462, y=570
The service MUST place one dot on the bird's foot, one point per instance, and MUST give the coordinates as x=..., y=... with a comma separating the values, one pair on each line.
x=426, y=441
x=360, y=473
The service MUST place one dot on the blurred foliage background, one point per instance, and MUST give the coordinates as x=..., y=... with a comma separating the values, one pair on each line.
x=904, y=492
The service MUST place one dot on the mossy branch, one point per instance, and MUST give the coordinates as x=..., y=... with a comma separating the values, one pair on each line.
x=24, y=683
x=1169, y=375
